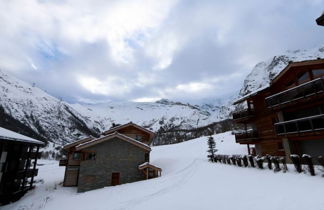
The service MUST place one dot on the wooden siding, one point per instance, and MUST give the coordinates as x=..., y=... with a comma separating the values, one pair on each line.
x=264, y=118
x=133, y=132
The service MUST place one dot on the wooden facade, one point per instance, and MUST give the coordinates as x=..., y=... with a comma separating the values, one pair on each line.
x=80, y=153
x=288, y=116
x=18, y=159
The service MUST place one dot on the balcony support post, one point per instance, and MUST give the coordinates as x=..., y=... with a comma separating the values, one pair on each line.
x=34, y=168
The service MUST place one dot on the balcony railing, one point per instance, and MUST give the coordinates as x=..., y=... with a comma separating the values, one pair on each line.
x=302, y=125
x=246, y=135
x=296, y=93
x=26, y=173
x=243, y=114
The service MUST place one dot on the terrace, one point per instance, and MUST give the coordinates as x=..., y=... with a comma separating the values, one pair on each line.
x=244, y=114
x=246, y=136
x=300, y=92
x=301, y=125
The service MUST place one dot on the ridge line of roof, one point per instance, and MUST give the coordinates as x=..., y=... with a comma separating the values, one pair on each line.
x=111, y=135
x=129, y=123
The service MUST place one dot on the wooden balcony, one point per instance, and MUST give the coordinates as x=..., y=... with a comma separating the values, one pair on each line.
x=243, y=115
x=296, y=94
x=32, y=155
x=26, y=173
x=247, y=136
x=302, y=125
x=63, y=162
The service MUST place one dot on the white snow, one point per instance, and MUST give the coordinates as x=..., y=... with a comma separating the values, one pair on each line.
x=152, y=114
x=263, y=73
x=60, y=122
x=10, y=135
x=40, y=111
x=188, y=182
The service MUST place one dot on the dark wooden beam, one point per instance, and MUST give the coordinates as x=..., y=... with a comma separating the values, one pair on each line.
x=34, y=168
x=320, y=20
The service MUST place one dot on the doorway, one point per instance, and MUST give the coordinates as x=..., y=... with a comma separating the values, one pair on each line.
x=115, y=178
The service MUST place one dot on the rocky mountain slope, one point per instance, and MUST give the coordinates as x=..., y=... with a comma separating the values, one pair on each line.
x=154, y=115
x=38, y=114
x=35, y=113
x=265, y=71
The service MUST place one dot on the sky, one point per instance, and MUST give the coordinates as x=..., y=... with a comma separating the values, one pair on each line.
x=143, y=50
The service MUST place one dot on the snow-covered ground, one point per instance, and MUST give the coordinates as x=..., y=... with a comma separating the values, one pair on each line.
x=188, y=182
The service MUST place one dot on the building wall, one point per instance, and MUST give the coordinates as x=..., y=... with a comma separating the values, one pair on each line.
x=269, y=148
x=134, y=133
x=114, y=155
x=312, y=147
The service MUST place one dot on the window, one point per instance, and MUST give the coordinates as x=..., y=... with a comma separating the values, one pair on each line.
x=91, y=156
x=147, y=157
x=76, y=156
x=318, y=72
x=290, y=84
x=303, y=78
x=138, y=137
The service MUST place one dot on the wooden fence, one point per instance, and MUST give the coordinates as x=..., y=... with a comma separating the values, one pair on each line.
x=275, y=163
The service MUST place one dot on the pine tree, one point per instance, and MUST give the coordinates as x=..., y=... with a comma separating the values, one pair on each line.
x=211, y=149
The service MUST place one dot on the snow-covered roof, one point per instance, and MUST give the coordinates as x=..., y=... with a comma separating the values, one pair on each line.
x=239, y=100
x=78, y=142
x=6, y=134
x=116, y=128
x=110, y=136
x=148, y=165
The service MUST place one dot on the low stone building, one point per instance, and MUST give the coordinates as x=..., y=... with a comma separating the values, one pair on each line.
x=121, y=155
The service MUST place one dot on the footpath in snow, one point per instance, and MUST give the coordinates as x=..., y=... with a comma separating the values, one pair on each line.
x=188, y=182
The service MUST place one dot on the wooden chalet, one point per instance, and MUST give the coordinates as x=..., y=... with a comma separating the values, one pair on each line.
x=18, y=159
x=320, y=20
x=286, y=117
x=120, y=155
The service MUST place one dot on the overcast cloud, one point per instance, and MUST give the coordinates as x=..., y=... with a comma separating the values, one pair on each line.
x=142, y=50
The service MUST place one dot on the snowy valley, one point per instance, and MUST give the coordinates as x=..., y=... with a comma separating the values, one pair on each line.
x=188, y=182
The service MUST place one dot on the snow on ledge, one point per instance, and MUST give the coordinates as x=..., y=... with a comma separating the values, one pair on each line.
x=6, y=134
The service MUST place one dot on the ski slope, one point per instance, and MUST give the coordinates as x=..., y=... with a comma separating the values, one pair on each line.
x=188, y=182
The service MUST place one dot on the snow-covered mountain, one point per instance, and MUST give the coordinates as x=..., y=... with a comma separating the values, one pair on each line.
x=265, y=71
x=153, y=115
x=49, y=118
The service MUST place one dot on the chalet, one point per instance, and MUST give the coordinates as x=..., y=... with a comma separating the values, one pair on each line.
x=320, y=20
x=120, y=155
x=287, y=117
x=18, y=159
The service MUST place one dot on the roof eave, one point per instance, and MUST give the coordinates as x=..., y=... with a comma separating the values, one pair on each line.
x=118, y=135
x=320, y=20
x=21, y=140
x=128, y=124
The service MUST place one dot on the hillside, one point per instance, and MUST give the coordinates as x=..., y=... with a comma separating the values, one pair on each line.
x=39, y=114
x=33, y=112
x=188, y=182
x=263, y=72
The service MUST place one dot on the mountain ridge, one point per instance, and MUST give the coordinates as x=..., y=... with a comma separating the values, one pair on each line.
x=264, y=72
x=34, y=112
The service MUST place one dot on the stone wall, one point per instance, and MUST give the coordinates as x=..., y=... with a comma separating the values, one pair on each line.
x=114, y=155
